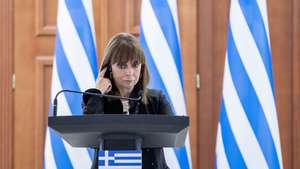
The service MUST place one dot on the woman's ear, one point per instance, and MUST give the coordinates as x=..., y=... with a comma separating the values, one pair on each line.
x=110, y=75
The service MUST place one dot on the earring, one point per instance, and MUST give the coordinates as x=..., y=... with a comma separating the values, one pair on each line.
x=110, y=75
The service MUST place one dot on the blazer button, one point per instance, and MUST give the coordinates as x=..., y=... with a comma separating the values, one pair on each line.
x=147, y=150
x=152, y=164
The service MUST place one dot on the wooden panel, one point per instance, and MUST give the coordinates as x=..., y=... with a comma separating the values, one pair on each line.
x=296, y=86
x=43, y=74
x=133, y=10
x=126, y=18
x=46, y=12
x=31, y=70
x=187, y=13
x=281, y=48
x=116, y=17
x=212, y=24
x=6, y=91
x=101, y=26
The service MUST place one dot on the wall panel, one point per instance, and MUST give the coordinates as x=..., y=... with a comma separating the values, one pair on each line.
x=6, y=91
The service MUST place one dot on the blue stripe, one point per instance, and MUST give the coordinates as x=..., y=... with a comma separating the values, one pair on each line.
x=251, y=104
x=182, y=157
x=124, y=151
x=167, y=25
x=83, y=28
x=231, y=148
x=101, y=162
x=59, y=152
x=67, y=79
x=101, y=153
x=113, y=163
x=91, y=153
x=129, y=158
x=256, y=25
x=156, y=82
x=216, y=164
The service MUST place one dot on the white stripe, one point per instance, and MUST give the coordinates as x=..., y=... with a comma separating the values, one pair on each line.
x=120, y=167
x=88, y=6
x=255, y=69
x=240, y=125
x=222, y=161
x=78, y=156
x=128, y=161
x=128, y=155
x=188, y=150
x=105, y=158
x=162, y=57
x=173, y=8
x=49, y=158
x=74, y=50
x=262, y=5
x=171, y=159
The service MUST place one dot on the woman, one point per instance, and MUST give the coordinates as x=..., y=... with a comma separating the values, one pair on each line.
x=124, y=73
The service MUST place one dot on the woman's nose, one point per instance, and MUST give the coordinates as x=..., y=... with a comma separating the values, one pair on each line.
x=129, y=71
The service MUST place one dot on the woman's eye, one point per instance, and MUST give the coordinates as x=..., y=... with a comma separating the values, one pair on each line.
x=135, y=66
x=122, y=66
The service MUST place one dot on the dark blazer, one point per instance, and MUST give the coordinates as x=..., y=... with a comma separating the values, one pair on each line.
x=152, y=158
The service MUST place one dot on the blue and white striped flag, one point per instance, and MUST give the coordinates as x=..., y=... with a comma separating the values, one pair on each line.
x=248, y=132
x=161, y=42
x=120, y=159
x=75, y=68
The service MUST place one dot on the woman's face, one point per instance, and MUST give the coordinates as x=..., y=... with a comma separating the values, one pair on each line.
x=126, y=75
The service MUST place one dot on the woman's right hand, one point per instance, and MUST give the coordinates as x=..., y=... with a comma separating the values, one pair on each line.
x=102, y=83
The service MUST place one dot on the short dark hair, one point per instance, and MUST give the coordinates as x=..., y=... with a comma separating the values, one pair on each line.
x=124, y=47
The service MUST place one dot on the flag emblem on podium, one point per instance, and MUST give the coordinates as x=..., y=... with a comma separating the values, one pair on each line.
x=124, y=159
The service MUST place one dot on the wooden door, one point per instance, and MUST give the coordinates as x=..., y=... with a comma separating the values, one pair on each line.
x=34, y=27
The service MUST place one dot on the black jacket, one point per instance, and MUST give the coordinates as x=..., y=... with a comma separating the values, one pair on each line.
x=152, y=158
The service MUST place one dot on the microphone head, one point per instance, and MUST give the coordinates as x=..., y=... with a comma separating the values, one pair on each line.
x=86, y=96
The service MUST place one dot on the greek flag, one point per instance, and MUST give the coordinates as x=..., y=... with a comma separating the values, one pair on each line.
x=248, y=134
x=161, y=42
x=75, y=68
x=120, y=159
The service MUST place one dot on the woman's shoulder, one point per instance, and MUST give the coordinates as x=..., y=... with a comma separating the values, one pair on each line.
x=154, y=93
x=160, y=102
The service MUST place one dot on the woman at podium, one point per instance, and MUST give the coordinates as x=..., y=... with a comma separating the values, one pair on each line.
x=124, y=73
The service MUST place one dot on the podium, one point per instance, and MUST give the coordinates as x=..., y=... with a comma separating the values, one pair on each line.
x=94, y=130
x=121, y=132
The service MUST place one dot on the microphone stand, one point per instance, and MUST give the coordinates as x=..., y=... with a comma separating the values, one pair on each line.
x=89, y=93
x=96, y=154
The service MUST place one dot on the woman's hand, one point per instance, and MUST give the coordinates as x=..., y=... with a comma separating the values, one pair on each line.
x=102, y=83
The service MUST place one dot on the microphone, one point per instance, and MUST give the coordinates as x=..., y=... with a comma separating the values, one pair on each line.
x=89, y=93
x=137, y=106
